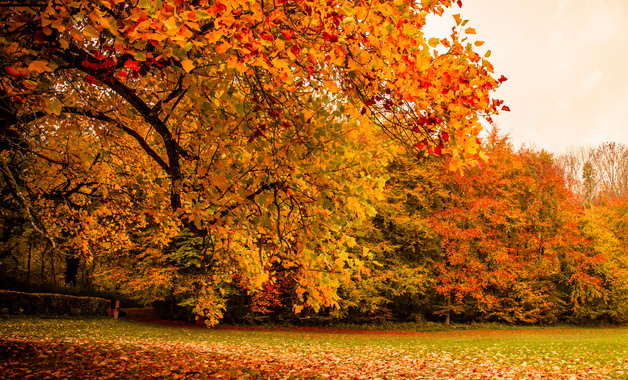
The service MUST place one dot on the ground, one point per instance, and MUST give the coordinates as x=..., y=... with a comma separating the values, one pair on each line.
x=36, y=348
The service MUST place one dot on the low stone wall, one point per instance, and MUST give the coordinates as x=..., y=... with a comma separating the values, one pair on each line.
x=51, y=304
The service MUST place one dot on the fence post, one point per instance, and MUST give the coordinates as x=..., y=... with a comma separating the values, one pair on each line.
x=116, y=310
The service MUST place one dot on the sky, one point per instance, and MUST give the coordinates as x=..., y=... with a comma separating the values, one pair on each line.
x=566, y=64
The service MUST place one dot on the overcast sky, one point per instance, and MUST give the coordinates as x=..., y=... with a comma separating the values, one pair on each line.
x=566, y=66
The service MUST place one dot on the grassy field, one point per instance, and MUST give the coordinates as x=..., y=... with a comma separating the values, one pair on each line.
x=35, y=348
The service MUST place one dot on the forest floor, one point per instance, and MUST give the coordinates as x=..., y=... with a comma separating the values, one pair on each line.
x=58, y=348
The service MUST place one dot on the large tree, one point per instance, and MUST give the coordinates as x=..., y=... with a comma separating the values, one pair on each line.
x=256, y=126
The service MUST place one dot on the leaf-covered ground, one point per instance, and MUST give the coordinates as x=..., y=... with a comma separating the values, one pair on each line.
x=62, y=348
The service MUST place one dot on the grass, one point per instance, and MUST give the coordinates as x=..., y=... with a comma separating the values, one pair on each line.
x=528, y=353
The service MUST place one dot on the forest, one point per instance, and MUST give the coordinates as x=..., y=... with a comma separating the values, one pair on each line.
x=282, y=161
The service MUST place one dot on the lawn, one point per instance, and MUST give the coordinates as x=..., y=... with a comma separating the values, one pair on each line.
x=36, y=348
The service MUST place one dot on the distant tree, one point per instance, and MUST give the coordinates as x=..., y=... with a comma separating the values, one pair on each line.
x=597, y=173
x=501, y=241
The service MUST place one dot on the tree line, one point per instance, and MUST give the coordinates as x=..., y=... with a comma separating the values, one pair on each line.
x=517, y=239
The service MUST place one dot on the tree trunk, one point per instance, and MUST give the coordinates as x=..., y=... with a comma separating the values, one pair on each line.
x=28, y=264
x=71, y=269
x=448, y=315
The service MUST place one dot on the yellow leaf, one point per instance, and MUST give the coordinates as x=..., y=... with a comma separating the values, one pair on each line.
x=89, y=31
x=469, y=31
x=279, y=63
x=187, y=65
x=348, y=20
x=458, y=19
x=479, y=43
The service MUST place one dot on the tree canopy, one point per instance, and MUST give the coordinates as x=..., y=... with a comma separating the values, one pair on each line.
x=252, y=130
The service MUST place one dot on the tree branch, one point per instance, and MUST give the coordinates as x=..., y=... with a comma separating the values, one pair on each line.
x=30, y=214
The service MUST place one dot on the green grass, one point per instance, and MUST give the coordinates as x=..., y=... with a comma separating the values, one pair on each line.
x=579, y=353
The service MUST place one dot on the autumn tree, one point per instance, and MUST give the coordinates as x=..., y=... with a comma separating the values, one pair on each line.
x=255, y=126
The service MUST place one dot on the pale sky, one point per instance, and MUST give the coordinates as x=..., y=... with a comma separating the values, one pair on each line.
x=566, y=63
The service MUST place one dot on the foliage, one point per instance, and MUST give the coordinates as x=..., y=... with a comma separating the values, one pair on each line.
x=605, y=225
x=257, y=126
x=503, y=241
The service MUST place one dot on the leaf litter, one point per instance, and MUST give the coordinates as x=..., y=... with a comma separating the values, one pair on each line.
x=24, y=356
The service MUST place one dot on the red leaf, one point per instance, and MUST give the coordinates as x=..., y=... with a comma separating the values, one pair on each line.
x=439, y=150
x=502, y=79
x=296, y=50
x=122, y=74
x=459, y=2
x=506, y=108
x=444, y=136
x=12, y=71
x=131, y=64
x=39, y=37
x=330, y=37
x=267, y=36
x=98, y=55
x=109, y=62
x=89, y=64
x=217, y=9
x=90, y=79
x=287, y=34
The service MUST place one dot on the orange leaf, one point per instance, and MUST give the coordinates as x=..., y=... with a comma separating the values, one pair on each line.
x=187, y=65
x=39, y=66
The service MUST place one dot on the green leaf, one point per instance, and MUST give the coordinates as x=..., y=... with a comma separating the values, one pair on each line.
x=370, y=211
x=145, y=4
x=55, y=107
